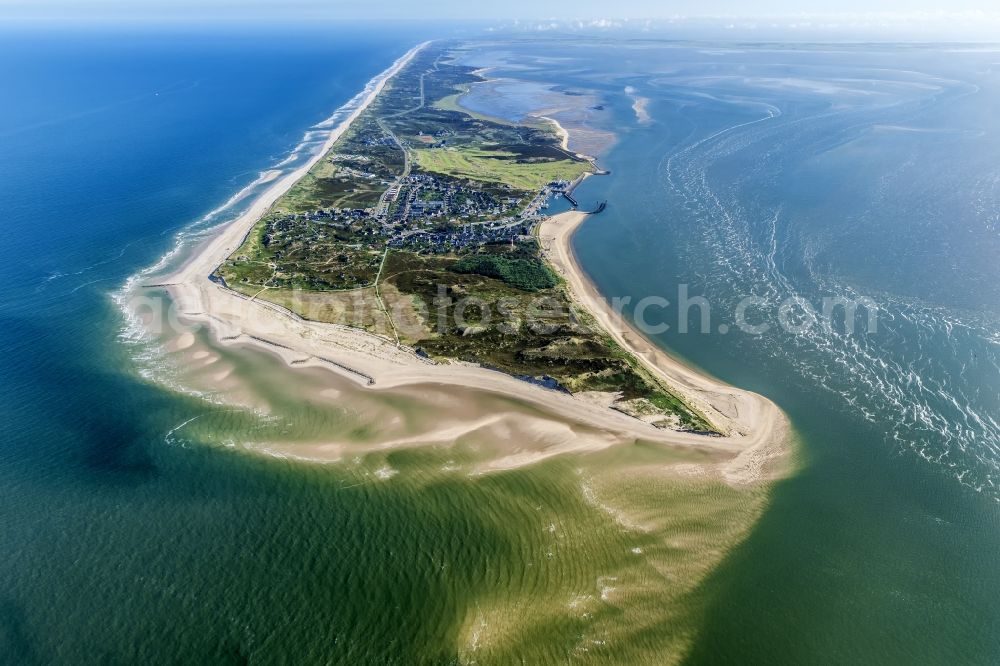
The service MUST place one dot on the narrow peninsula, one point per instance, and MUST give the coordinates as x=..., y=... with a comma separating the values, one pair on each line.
x=417, y=247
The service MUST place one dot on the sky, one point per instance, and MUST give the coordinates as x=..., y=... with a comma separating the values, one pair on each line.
x=978, y=19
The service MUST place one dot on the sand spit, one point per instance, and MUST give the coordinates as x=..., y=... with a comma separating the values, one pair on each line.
x=749, y=421
x=754, y=427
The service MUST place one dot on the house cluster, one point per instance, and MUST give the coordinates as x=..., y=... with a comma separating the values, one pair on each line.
x=378, y=140
x=346, y=172
x=347, y=158
x=332, y=215
x=423, y=196
x=423, y=213
x=443, y=240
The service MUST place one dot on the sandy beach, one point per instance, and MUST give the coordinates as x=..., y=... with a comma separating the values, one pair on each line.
x=740, y=415
x=755, y=430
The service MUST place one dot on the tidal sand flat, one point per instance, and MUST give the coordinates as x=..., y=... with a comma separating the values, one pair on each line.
x=587, y=405
x=525, y=535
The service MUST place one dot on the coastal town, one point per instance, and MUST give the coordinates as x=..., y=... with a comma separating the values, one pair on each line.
x=424, y=213
x=421, y=207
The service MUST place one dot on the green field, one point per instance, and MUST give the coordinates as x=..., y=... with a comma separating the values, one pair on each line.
x=497, y=166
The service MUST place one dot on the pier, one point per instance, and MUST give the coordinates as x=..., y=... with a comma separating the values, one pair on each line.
x=600, y=207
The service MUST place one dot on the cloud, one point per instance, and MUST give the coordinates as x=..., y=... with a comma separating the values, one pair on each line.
x=973, y=19
x=975, y=25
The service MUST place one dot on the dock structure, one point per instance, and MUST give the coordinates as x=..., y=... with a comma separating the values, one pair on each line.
x=570, y=199
x=600, y=207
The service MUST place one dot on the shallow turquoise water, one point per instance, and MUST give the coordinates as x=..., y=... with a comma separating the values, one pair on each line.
x=133, y=534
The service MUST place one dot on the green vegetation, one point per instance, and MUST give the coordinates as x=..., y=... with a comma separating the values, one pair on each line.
x=339, y=183
x=482, y=319
x=499, y=166
x=438, y=206
x=297, y=253
x=524, y=274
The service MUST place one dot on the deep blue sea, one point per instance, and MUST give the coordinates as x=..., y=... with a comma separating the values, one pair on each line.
x=765, y=170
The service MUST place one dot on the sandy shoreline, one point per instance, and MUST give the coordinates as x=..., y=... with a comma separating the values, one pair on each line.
x=740, y=415
x=756, y=429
